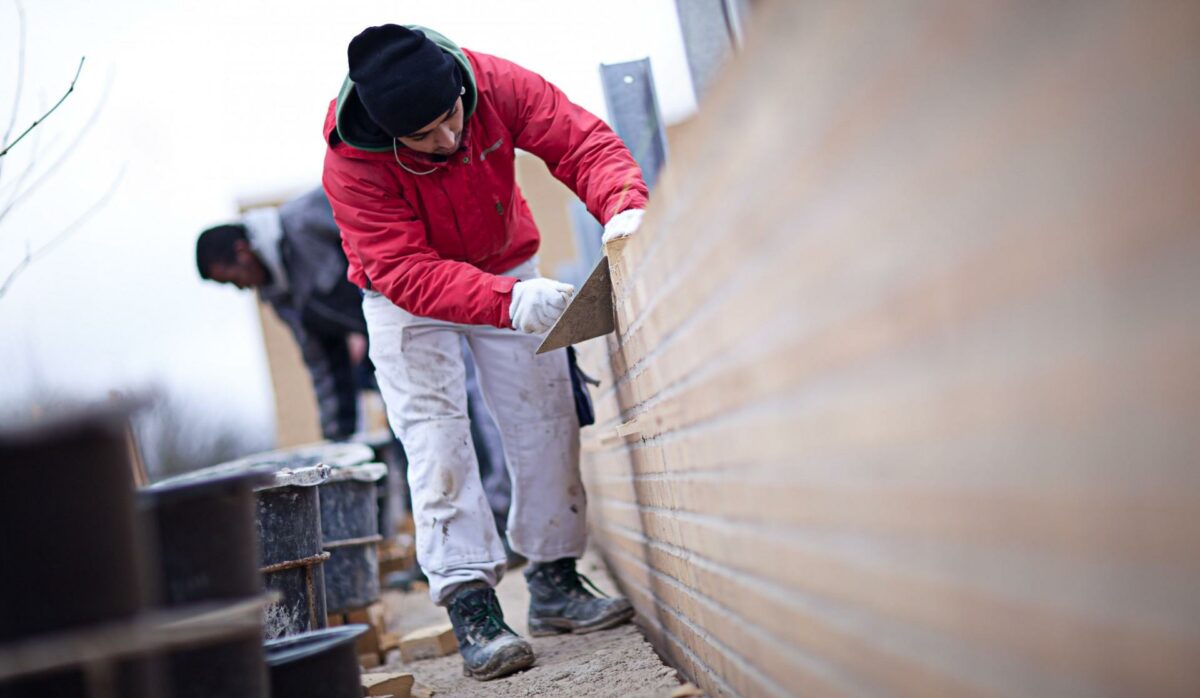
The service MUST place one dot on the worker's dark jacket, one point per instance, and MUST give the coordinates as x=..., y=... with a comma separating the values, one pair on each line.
x=321, y=307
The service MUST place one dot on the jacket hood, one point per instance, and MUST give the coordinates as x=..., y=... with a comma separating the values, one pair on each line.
x=264, y=230
x=356, y=129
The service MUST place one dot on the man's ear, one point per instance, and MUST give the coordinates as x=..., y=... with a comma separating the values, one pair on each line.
x=242, y=251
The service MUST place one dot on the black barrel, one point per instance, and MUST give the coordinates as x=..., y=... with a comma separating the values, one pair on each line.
x=289, y=529
x=320, y=664
x=350, y=530
x=209, y=552
x=288, y=525
x=206, y=534
x=73, y=553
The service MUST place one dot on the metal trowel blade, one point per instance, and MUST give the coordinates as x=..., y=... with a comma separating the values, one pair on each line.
x=588, y=315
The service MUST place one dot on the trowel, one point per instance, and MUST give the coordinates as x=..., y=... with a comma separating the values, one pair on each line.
x=588, y=315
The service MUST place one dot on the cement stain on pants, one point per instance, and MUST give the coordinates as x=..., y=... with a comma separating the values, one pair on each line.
x=419, y=366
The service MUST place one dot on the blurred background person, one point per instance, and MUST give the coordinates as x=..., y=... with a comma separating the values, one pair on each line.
x=292, y=257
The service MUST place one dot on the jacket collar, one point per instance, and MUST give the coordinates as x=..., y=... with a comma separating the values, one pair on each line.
x=264, y=230
x=422, y=164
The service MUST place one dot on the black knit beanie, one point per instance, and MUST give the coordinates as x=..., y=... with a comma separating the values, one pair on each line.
x=404, y=80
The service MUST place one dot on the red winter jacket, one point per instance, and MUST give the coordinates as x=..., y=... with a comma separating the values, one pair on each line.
x=433, y=235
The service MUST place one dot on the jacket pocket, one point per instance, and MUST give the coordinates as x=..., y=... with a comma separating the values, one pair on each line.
x=491, y=149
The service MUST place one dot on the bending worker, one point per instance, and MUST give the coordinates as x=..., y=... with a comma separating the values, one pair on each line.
x=420, y=172
x=292, y=256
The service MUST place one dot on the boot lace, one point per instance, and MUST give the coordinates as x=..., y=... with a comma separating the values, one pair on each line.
x=564, y=575
x=485, y=618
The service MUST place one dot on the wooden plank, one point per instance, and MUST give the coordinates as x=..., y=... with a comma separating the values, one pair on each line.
x=387, y=684
x=388, y=642
x=428, y=642
x=375, y=618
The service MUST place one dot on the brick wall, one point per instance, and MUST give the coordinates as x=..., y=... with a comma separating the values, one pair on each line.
x=905, y=395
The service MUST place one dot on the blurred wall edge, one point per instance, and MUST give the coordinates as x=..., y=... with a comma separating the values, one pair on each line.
x=906, y=368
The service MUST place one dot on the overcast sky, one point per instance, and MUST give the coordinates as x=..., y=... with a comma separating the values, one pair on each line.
x=209, y=102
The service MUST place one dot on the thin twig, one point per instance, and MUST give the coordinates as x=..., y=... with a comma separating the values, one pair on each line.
x=44, y=116
x=31, y=257
x=15, y=183
x=19, y=180
x=12, y=120
x=19, y=196
x=12, y=187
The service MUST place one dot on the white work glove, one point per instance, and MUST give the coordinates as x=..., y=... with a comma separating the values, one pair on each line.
x=537, y=303
x=623, y=224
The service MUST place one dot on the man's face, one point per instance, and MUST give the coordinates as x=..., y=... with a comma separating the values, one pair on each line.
x=244, y=272
x=440, y=137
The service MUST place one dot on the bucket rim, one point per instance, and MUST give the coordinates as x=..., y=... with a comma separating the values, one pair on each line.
x=276, y=475
x=293, y=648
x=183, y=487
x=362, y=472
x=339, y=453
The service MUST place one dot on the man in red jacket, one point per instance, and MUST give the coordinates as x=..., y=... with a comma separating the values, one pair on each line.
x=420, y=173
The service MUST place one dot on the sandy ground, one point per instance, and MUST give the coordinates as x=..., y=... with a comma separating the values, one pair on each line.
x=616, y=662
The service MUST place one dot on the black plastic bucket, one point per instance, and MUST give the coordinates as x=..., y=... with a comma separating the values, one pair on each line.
x=205, y=526
x=73, y=552
x=208, y=552
x=320, y=664
x=288, y=526
x=289, y=529
x=350, y=530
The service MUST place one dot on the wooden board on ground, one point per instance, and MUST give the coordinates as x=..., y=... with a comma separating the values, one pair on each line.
x=429, y=642
x=376, y=640
x=369, y=660
x=373, y=615
x=396, y=554
x=388, y=642
x=387, y=684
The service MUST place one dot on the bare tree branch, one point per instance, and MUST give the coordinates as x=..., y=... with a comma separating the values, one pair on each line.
x=20, y=178
x=19, y=196
x=62, y=235
x=15, y=183
x=12, y=120
x=47, y=114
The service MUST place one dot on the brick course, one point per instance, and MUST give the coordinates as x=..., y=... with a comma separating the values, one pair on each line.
x=908, y=359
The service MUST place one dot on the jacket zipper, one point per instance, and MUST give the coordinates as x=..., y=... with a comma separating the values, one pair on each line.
x=462, y=244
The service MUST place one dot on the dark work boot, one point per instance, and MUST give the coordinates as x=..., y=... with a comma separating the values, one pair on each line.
x=489, y=648
x=558, y=603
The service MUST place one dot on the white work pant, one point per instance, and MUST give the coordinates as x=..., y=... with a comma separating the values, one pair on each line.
x=419, y=366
